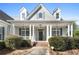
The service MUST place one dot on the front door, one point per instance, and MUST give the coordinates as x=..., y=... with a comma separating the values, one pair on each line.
x=40, y=32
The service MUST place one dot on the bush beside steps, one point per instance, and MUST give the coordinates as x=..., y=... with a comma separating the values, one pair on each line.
x=64, y=43
x=26, y=43
x=15, y=42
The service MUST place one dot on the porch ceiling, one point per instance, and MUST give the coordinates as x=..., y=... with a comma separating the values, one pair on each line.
x=41, y=23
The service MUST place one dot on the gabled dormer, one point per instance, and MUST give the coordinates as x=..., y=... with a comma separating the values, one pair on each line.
x=57, y=14
x=23, y=13
x=41, y=13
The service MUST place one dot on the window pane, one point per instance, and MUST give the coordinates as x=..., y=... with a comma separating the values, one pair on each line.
x=22, y=28
x=27, y=33
x=23, y=15
x=57, y=15
x=27, y=29
x=53, y=33
x=40, y=15
x=22, y=33
x=58, y=33
x=53, y=29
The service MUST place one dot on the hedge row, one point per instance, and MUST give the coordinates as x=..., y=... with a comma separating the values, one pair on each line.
x=64, y=43
x=14, y=42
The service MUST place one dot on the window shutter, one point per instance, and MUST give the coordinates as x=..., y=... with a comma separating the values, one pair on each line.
x=19, y=31
x=3, y=33
x=60, y=31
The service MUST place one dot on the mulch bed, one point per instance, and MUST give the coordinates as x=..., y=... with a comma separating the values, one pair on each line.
x=20, y=51
x=68, y=52
x=5, y=51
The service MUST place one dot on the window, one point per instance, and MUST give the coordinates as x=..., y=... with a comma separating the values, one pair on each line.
x=27, y=31
x=24, y=31
x=56, y=31
x=1, y=33
x=23, y=15
x=57, y=15
x=40, y=15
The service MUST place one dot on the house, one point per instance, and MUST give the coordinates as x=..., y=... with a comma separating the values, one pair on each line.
x=38, y=25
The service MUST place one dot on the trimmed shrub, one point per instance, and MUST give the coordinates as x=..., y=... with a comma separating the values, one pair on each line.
x=13, y=42
x=64, y=43
x=58, y=43
x=2, y=44
x=70, y=44
x=76, y=41
x=26, y=43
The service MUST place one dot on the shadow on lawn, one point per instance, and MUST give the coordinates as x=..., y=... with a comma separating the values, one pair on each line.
x=5, y=51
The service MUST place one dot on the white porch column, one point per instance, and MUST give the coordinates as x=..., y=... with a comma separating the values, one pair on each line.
x=47, y=30
x=33, y=38
x=50, y=30
x=30, y=32
x=13, y=29
x=68, y=30
x=72, y=30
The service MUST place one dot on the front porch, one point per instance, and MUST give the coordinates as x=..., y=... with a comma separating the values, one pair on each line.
x=42, y=31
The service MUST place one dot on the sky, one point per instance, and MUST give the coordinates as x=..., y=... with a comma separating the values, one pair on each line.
x=69, y=11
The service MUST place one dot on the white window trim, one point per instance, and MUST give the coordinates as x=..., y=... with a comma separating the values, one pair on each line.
x=56, y=30
x=24, y=31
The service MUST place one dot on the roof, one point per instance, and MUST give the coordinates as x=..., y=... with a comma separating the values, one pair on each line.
x=4, y=16
x=36, y=10
x=55, y=10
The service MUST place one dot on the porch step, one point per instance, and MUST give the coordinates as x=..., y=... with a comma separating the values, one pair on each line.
x=42, y=43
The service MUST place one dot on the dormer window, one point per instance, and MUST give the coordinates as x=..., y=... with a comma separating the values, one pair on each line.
x=23, y=15
x=57, y=15
x=40, y=15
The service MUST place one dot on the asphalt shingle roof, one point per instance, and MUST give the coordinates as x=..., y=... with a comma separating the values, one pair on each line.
x=4, y=16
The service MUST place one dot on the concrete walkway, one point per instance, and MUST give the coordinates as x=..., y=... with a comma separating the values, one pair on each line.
x=41, y=48
x=38, y=51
